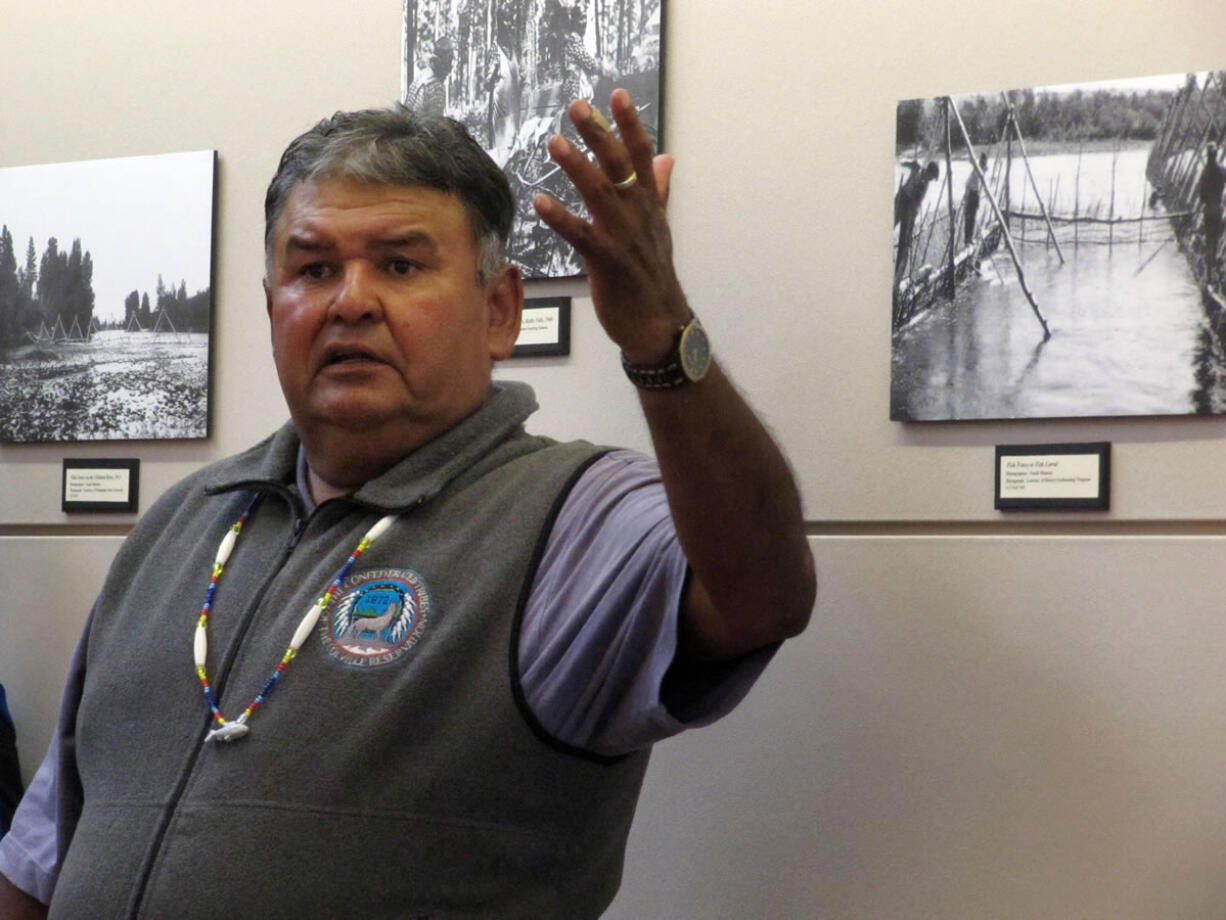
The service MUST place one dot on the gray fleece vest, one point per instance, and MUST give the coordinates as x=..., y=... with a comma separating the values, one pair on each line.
x=395, y=771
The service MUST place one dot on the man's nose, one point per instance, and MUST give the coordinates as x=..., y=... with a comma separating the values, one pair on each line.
x=357, y=298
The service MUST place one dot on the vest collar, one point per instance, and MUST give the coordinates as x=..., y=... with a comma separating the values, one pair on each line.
x=413, y=480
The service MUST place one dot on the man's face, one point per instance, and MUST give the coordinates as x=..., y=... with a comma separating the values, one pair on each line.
x=378, y=320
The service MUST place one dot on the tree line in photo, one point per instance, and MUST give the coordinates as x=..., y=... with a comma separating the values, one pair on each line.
x=57, y=287
x=174, y=310
x=53, y=297
x=1072, y=117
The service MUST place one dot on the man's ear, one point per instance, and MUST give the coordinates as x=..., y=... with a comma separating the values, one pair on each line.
x=504, y=303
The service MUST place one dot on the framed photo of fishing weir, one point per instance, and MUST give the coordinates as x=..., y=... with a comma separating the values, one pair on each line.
x=105, y=298
x=508, y=70
x=1058, y=251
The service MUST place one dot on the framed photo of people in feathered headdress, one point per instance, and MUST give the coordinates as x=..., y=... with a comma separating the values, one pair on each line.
x=508, y=70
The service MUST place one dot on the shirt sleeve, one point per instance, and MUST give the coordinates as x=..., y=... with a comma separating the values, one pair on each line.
x=29, y=852
x=32, y=851
x=599, y=629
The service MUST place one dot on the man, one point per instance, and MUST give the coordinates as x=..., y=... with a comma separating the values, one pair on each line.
x=497, y=626
x=907, y=202
x=430, y=96
x=970, y=199
x=1212, y=181
x=578, y=65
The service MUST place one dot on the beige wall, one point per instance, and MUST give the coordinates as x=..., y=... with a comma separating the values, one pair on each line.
x=987, y=718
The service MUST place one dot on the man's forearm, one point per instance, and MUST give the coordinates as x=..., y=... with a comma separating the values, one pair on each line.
x=15, y=904
x=738, y=515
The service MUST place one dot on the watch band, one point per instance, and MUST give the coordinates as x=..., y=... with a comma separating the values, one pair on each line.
x=686, y=363
x=665, y=376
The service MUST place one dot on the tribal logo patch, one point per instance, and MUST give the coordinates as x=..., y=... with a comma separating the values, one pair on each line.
x=375, y=617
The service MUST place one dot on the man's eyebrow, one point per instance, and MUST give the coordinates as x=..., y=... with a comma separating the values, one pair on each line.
x=411, y=239
x=296, y=242
x=310, y=243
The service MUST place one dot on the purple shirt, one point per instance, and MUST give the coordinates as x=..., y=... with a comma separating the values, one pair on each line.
x=598, y=635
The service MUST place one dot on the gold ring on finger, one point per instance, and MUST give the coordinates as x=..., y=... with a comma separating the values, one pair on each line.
x=627, y=182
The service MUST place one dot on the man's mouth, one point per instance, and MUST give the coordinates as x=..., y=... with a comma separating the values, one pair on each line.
x=347, y=355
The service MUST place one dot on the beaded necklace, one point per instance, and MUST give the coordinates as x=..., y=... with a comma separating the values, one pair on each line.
x=227, y=730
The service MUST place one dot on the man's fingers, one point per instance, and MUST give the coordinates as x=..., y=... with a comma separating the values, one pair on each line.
x=583, y=174
x=634, y=136
x=611, y=154
x=575, y=230
x=591, y=181
x=625, y=189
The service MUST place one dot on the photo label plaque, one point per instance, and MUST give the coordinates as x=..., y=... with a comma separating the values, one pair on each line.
x=545, y=328
x=1053, y=477
x=100, y=485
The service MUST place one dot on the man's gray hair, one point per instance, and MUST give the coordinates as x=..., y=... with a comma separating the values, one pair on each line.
x=396, y=146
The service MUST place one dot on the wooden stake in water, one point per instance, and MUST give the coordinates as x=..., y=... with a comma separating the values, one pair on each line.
x=951, y=283
x=1000, y=217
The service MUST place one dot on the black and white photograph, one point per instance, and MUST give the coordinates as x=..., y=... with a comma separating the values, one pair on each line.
x=1058, y=251
x=508, y=70
x=105, y=298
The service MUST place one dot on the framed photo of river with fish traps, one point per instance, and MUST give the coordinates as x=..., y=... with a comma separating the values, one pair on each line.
x=105, y=298
x=1058, y=251
x=508, y=70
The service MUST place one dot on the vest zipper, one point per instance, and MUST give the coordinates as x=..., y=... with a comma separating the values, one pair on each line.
x=159, y=836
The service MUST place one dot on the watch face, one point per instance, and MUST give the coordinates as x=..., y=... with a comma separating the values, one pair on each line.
x=695, y=351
